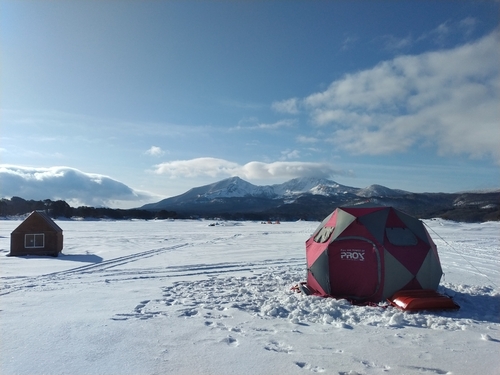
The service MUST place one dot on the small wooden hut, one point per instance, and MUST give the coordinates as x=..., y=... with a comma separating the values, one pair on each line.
x=38, y=234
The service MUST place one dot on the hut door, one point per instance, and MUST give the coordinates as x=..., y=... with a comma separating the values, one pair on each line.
x=355, y=268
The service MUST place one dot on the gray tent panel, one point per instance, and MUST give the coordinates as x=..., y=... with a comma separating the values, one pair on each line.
x=396, y=275
x=344, y=219
x=375, y=223
x=430, y=272
x=401, y=237
x=320, y=269
x=415, y=225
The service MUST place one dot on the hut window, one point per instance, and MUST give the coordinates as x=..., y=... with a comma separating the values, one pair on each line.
x=34, y=240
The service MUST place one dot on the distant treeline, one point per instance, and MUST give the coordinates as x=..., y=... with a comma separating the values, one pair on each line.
x=59, y=208
x=464, y=207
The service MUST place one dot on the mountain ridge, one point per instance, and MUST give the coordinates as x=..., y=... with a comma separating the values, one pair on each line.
x=236, y=187
x=315, y=198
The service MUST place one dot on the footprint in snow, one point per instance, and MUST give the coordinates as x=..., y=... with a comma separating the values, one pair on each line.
x=307, y=366
x=218, y=325
x=122, y=317
x=430, y=369
x=230, y=341
x=487, y=337
x=187, y=313
x=278, y=347
x=139, y=308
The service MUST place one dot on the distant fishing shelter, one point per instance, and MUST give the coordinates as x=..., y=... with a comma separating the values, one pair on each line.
x=38, y=234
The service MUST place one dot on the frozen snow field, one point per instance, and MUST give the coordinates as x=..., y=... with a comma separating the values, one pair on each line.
x=184, y=297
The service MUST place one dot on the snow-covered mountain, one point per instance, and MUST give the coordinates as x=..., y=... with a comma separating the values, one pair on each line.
x=380, y=191
x=235, y=187
x=316, y=186
x=314, y=198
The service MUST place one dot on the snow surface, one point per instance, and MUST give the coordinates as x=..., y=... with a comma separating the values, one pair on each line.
x=187, y=297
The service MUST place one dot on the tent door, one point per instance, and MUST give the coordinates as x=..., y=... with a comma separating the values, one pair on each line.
x=355, y=269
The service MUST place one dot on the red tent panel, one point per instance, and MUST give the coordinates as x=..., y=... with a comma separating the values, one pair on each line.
x=355, y=268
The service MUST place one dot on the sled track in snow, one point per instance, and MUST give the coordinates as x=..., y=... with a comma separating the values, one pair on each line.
x=54, y=277
x=110, y=263
x=105, y=272
x=199, y=269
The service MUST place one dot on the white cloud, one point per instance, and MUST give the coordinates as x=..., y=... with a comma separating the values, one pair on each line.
x=155, y=151
x=287, y=169
x=447, y=98
x=290, y=154
x=254, y=170
x=305, y=139
x=211, y=167
x=284, y=123
x=468, y=25
x=348, y=42
x=289, y=106
x=442, y=35
x=446, y=32
x=75, y=187
x=392, y=42
x=241, y=105
x=443, y=30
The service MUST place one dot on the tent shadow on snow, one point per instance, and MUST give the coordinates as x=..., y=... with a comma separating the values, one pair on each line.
x=481, y=307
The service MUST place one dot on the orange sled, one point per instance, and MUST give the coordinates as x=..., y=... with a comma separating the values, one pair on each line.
x=414, y=300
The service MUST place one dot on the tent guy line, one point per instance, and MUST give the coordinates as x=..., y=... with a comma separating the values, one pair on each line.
x=460, y=253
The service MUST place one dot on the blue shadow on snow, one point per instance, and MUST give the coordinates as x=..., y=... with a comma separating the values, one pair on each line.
x=481, y=307
x=85, y=258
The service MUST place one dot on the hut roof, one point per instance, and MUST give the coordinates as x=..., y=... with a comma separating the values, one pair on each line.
x=46, y=218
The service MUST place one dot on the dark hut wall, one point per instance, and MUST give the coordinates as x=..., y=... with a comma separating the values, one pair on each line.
x=36, y=224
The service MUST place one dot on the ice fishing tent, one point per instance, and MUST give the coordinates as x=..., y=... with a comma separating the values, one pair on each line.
x=367, y=253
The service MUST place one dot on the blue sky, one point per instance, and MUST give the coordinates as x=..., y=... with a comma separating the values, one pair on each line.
x=157, y=97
